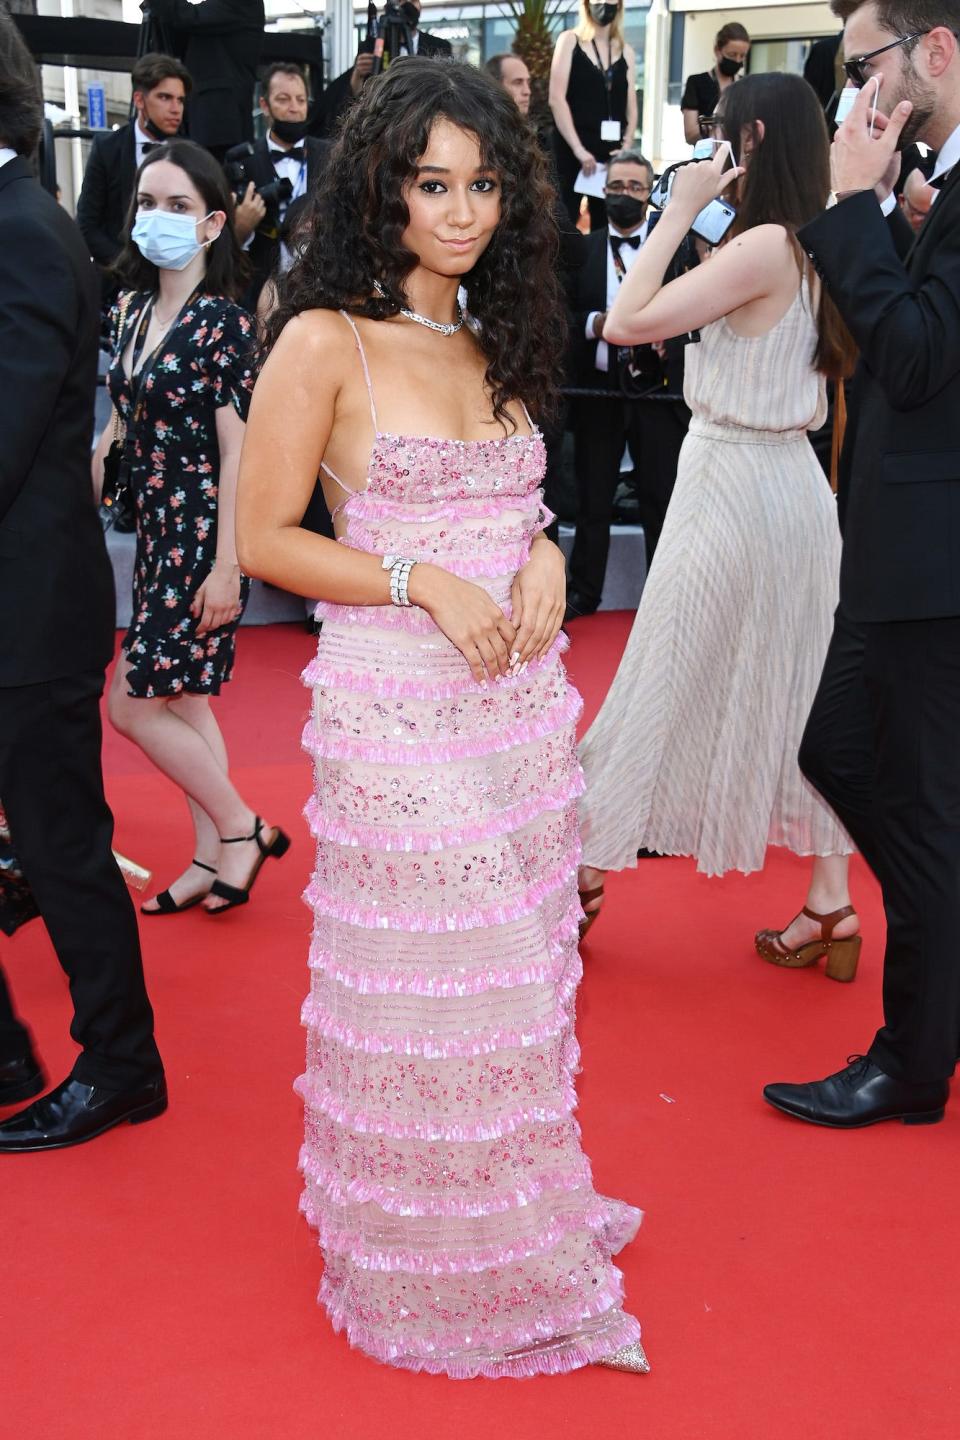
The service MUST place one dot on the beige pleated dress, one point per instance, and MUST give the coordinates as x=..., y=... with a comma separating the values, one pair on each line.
x=695, y=749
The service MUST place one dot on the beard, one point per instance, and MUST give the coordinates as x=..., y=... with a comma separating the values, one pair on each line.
x=922, y=97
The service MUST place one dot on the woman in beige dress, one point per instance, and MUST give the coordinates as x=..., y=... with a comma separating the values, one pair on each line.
x=695, y=749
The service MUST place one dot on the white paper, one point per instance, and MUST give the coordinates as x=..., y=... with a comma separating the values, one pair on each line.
x=591, y=184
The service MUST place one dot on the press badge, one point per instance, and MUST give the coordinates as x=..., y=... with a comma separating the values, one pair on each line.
x=610, y=130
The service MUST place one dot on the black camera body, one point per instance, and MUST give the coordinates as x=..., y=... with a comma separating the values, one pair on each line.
x=274, y=194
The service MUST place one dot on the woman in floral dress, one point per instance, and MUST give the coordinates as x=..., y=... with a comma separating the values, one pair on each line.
x=180, y=382
x=443, y=1169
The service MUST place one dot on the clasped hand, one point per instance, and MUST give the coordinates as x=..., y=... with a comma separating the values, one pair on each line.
x=472, y=620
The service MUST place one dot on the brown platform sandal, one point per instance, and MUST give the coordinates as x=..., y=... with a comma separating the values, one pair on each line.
x=587, y=897
x=842, y=955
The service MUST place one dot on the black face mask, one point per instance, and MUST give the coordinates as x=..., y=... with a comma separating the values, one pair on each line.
x=150, y=129
x=625, y=211
x=602, y=14
x=410, y=13
x=729, y=67
x=289, y=131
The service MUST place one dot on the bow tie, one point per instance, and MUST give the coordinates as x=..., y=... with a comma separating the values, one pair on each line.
x=618, y=241
x=297, y=154
x=940, y=180
x=146, y=145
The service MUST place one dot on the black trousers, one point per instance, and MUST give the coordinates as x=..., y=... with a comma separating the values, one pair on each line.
x=51, y=784
x=882, y=746
x=654, y=430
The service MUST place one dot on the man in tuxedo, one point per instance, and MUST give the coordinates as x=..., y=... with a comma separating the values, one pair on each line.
x=342, y=91
x=160, y=88
x=286, y=152
x=602, y=427
x=881, y=743
x=57, y=600
x=219, y=41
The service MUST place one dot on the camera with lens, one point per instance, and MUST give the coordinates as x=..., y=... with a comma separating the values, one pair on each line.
x=274, y=194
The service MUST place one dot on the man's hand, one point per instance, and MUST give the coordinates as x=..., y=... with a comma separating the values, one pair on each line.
x=362, y=68
x=859, y=161
x=248, y=214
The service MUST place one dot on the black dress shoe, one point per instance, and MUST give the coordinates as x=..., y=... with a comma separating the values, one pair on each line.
x=577, y=607
x=19, y=1079
x=862, y=1094
x=74, y=1112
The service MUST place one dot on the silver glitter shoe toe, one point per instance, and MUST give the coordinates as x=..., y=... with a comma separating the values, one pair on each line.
x=630, y=1358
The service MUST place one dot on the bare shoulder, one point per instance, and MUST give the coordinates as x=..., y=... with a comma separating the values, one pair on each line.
x=767, y=247
x=565, y=42
x=315, y=342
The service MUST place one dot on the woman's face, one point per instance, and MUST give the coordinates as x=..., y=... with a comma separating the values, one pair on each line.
x=164, y=186
x=735, y=51
x=453, y=200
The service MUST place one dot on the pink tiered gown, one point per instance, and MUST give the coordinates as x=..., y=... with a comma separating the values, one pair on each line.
x=460, y=1229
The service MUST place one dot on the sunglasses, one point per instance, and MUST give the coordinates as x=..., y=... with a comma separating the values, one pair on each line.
x=854, y=68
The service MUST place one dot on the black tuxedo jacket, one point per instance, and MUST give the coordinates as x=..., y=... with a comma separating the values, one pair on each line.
x=901, y=473
x=107, y=191
x=586, y=292
x=264, y=249
x=56, y=584
x=338, y=96
x=219, y=41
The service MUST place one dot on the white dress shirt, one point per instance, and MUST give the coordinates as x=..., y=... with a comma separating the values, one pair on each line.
x=946, y=159
x=948, y=156
x=628, y=255
x=6, y=156
x=142, y=138
x=291, y=170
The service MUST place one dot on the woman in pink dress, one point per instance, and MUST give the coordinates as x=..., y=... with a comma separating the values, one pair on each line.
x=460, y=1229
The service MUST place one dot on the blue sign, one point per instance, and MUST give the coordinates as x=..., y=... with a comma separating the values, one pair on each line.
x=96, y=107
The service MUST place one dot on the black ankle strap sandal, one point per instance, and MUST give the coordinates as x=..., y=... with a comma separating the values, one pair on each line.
x=235, y=895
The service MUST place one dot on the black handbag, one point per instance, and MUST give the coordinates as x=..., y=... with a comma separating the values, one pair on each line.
x=117, y=508
x=17, y=904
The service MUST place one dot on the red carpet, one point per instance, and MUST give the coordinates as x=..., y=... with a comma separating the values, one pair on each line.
x=794, y=1283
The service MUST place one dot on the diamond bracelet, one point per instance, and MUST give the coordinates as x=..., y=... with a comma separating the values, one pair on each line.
x=399, y=578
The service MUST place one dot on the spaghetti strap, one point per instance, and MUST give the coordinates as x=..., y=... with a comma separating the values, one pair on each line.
x=366, y=372
x=345, y=488
x=533, y=428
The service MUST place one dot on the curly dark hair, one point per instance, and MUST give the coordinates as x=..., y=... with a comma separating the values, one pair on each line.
x=358, y=216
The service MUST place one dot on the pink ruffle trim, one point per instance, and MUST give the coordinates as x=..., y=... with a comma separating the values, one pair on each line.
x=353, y=1245
x=449, y=984
x=485, y=565
x=422, y=842
x=322, y=1100
x=362, y=1192
x=550, y=1346
x=321, y=1021
x=369, y=506
x=331, y=745
x=433, y=922
x=383, y=685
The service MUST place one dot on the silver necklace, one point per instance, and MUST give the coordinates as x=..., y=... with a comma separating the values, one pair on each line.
x=423, y=319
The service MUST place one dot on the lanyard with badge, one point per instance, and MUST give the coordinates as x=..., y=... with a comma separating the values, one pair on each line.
x=610, y=129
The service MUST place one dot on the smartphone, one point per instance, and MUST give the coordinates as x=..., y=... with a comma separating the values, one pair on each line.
x=714, y=221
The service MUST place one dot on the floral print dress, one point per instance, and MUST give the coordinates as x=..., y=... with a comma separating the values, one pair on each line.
x=206, y=360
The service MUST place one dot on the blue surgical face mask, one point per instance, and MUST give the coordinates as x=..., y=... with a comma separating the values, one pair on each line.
x=168, y=241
